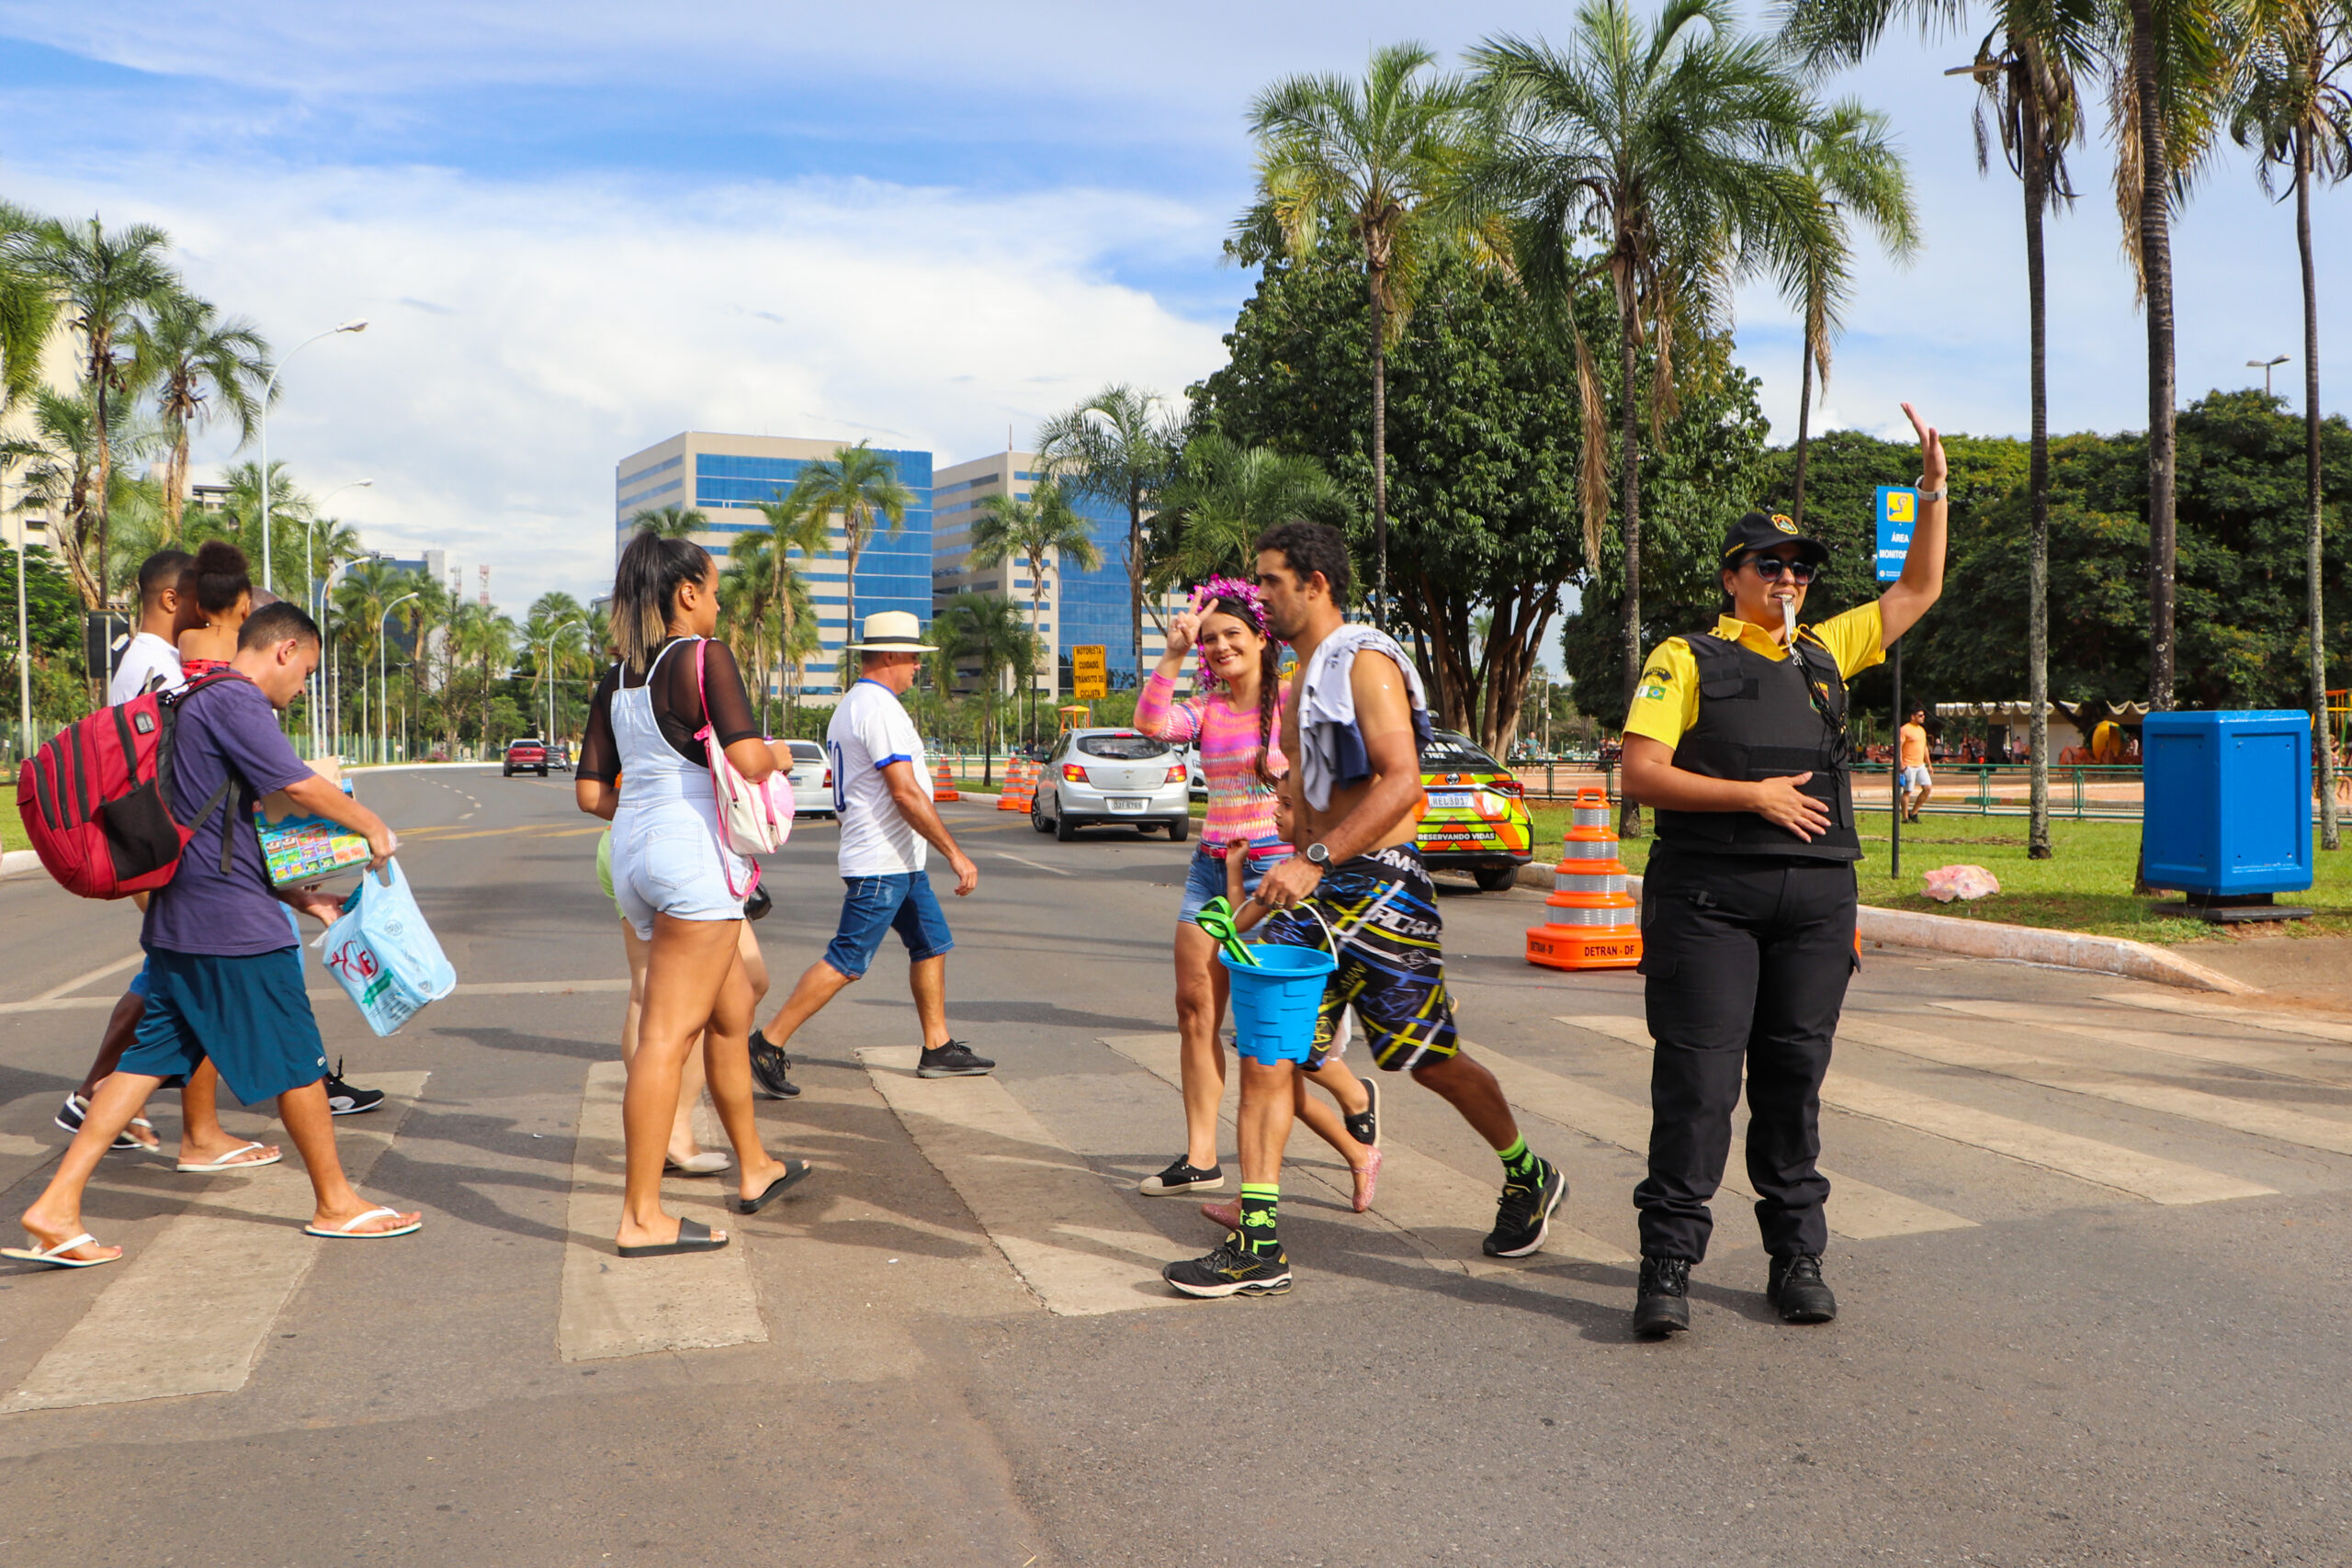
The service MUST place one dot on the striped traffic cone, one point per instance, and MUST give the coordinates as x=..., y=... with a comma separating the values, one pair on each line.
x=1594, y=922
x=943, y=786
x=1020, y=787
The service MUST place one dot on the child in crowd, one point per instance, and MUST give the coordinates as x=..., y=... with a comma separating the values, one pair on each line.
x=218, y=587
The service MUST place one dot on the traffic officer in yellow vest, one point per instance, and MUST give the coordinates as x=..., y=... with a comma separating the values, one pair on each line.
x=1737, y=740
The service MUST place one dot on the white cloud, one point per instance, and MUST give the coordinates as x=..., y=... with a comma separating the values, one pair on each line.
x=523, y=339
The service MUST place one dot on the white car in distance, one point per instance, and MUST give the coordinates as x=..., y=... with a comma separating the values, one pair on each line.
x=1101, y=778
x=812, y=780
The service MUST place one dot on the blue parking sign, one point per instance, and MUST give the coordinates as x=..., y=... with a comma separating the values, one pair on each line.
x=1898, y=507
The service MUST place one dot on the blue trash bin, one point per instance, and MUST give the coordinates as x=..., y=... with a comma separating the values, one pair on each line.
x=2228, y=816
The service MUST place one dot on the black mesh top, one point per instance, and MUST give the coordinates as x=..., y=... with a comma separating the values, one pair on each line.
x=676, y=708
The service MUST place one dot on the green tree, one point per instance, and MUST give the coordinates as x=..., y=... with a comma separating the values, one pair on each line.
x=60, y=469
x=554, y=642
x=2294, y=108
x=106, y=280
x=1045, y=534
x=671, y=521
x=1672, y=146
x=1223, y=495
x=790, y=529
x=1376, y=162
x=238, y=518
x=859, y=485
x=1116, y=446
x=197, y=366
x=982, y=633
x=28, y=305
x=745, y=583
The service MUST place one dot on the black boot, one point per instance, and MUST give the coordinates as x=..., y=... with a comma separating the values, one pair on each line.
x=1795, y=1286
x=1662, y=1304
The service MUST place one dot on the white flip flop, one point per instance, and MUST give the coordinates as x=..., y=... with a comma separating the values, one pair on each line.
x=344, y=1232
x=230, y=1162
x=54, y=1256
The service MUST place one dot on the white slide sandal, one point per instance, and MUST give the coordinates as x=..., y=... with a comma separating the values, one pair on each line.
x=344, y=1232
x=230, y=1162
x=54, y=1257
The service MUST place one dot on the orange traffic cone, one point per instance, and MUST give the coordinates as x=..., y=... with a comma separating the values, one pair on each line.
x=943, y=786
x=1595, y=922
x=1020, y=787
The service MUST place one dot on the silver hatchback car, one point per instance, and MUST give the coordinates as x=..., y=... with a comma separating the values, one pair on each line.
x=1098, y=776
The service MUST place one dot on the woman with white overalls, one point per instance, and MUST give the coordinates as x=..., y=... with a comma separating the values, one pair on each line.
x=676, y=882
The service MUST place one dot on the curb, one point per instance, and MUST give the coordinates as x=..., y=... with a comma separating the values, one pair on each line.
x=2008, y=945
x=16, y=862
x=410, y=767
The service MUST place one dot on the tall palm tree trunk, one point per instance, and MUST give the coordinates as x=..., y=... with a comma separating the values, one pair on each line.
x=2155, y=273
x=2036, y=170
x=1805, y=422
x=1135, y=578
x=1629, y=506
x=101, y=361
x=2329, y=831
x=1374, y=283
x=175, y=483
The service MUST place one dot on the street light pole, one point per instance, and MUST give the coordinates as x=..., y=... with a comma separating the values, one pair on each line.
x=268, y=390
x=383, y=687
x=24, y=645
x=334, y=671
x=548, y=669
x=2266, y=366
x=314, y=602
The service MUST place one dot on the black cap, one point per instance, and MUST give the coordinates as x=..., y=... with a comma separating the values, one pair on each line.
x=1762, y=531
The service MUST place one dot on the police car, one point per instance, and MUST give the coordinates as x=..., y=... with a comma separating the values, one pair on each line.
x=1475, y=818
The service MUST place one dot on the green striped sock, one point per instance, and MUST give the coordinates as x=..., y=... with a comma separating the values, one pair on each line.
x=1520, y=1163
x=1258, y=1204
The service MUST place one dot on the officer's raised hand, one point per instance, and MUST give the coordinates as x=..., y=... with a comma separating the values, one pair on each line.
x=1784, y=803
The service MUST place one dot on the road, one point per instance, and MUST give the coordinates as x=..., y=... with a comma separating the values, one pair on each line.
x=2090, y=1252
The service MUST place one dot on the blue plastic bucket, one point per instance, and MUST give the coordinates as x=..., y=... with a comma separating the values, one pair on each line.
x=1275, y=1000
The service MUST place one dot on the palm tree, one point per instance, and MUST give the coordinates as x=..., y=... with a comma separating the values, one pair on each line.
x=359, y=600
x=28, y=306
x=1670, y=146
x=985, y=631
x=238, y=518
x=1224, y=495
x=858, y=484
x=105, y=281
x=1116, y=446
x=2025, y=71
x=790, y=527
x=1375, y=160
x=1045, y=534
x=551, y=632
x=198, y=365
x=745, y=583
x=2294, y=107
x=671, y=522
x=59, y=478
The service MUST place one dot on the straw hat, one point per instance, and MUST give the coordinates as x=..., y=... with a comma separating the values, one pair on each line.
x=892, y=631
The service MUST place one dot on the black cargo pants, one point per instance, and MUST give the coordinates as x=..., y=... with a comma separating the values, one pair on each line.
x=1747, y=957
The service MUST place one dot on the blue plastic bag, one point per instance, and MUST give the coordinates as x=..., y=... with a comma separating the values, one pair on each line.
x=384, y=953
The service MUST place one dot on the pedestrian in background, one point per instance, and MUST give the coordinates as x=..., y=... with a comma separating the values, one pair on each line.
x=676, y=882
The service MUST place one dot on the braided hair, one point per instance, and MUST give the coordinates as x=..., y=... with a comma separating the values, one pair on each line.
x=1270, y=674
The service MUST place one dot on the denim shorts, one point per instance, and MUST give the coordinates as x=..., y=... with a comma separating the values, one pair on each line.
x=1204, y=879
x=875, y=904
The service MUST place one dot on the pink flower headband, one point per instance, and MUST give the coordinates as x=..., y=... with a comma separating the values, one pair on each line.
x=1235, y=591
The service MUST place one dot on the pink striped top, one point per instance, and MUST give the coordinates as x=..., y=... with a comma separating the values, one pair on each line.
x=1239, y=806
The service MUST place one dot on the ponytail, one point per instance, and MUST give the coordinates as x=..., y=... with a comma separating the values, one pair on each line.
x=218, y=577
x=645, y=587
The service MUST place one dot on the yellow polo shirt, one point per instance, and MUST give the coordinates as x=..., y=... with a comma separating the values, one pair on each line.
x=1666, y=702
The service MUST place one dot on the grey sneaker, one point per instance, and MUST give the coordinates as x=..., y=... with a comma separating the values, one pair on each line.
x=952, y=1060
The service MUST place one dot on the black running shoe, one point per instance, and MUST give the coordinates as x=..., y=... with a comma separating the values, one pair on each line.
x=75, y=1111
x=769, y=1065
x=1662, y=1300
x=1796, y=1287
x=1180, y=1177
x=349, y=1099
x=1523, y=1217
x=952, y=1060
x=1231, y=1270
x=1365, y=1129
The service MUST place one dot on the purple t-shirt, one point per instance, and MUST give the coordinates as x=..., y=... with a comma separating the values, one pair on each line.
x=226, y=732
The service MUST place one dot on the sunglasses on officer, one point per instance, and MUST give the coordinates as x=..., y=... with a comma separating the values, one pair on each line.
x=1769, y=569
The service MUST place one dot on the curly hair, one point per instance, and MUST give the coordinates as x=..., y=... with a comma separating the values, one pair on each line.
x=1309, y=547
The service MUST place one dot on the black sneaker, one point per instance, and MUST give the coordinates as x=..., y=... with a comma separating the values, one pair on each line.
x=952, y=1060
x=1231, y=1270
x=769, y=1065
x=75, y=1111
x=1180, y=1178
x=1523, y=1217
x=1795, y=1286
x=1662, y=1300
x=349, y=1099
x=1365, y=1129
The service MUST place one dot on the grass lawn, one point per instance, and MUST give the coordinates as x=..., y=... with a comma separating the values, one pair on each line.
x=2086, y=885
x=12, y=832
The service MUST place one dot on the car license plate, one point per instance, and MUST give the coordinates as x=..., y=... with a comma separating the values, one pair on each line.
x=1129, y=803
x=1450, y=800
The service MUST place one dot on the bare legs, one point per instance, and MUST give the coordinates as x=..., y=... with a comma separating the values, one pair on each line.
x=681, y=1145
x=1200, y=1008
x=202, y=1138
x=820, y=983
x=1470, y=1088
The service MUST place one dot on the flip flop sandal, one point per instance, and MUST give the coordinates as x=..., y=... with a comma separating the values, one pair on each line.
x=1226, y=1214
x=230, y=1162
x=693, y=1236
x=54, y=1257
x=344, y=1232
x=794, y=1169
x=710, y=1162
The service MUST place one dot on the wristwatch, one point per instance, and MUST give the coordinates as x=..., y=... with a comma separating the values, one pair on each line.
x=1318, y=855
x=1925, y=495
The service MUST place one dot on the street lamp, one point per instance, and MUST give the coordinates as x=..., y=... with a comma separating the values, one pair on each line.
x=2266, y=366
x=269, y=390
x=548, y=669
x=334, y=671
x=317, y=606
x=24, y=641
x=383, y=687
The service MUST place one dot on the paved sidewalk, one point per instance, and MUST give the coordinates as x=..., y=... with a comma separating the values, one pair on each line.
x=2315, y=970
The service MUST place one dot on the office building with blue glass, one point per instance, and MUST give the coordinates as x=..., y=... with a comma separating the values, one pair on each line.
x=725, y=478
x=1078, y=608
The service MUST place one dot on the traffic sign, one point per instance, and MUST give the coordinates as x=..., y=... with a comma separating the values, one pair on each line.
x=1898, y=508
x=1090, y=670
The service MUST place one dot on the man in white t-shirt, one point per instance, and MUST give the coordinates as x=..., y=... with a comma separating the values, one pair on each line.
x=151, y=662
x=882, y=795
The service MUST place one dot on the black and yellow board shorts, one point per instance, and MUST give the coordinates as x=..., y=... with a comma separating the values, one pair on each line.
x=1383, y=910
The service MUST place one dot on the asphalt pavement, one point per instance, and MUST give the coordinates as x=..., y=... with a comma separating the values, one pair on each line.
x=2087, y=1242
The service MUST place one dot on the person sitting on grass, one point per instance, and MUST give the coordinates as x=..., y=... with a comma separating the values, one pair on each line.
x=224, y=974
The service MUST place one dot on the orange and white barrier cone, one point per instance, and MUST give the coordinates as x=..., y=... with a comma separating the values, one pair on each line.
x=1594, y=923
x=1020, y=787
x=943, y=785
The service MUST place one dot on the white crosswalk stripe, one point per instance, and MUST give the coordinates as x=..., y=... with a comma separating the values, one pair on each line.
x=2233, y=1013
x=2307, y=1058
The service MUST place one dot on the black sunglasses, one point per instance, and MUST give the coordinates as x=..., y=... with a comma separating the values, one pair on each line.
x=1769, y=569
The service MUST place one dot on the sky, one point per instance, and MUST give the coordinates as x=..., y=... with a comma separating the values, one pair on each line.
x=577, y=228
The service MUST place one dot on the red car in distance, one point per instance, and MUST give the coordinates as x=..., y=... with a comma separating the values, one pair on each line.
x=527, y=756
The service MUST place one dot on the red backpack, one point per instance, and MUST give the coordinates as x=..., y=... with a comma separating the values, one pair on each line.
x=97, y=800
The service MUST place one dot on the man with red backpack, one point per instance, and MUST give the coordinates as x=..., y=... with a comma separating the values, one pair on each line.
x=224, y=975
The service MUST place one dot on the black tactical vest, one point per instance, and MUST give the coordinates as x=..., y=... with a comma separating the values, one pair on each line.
x=1757, y=720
